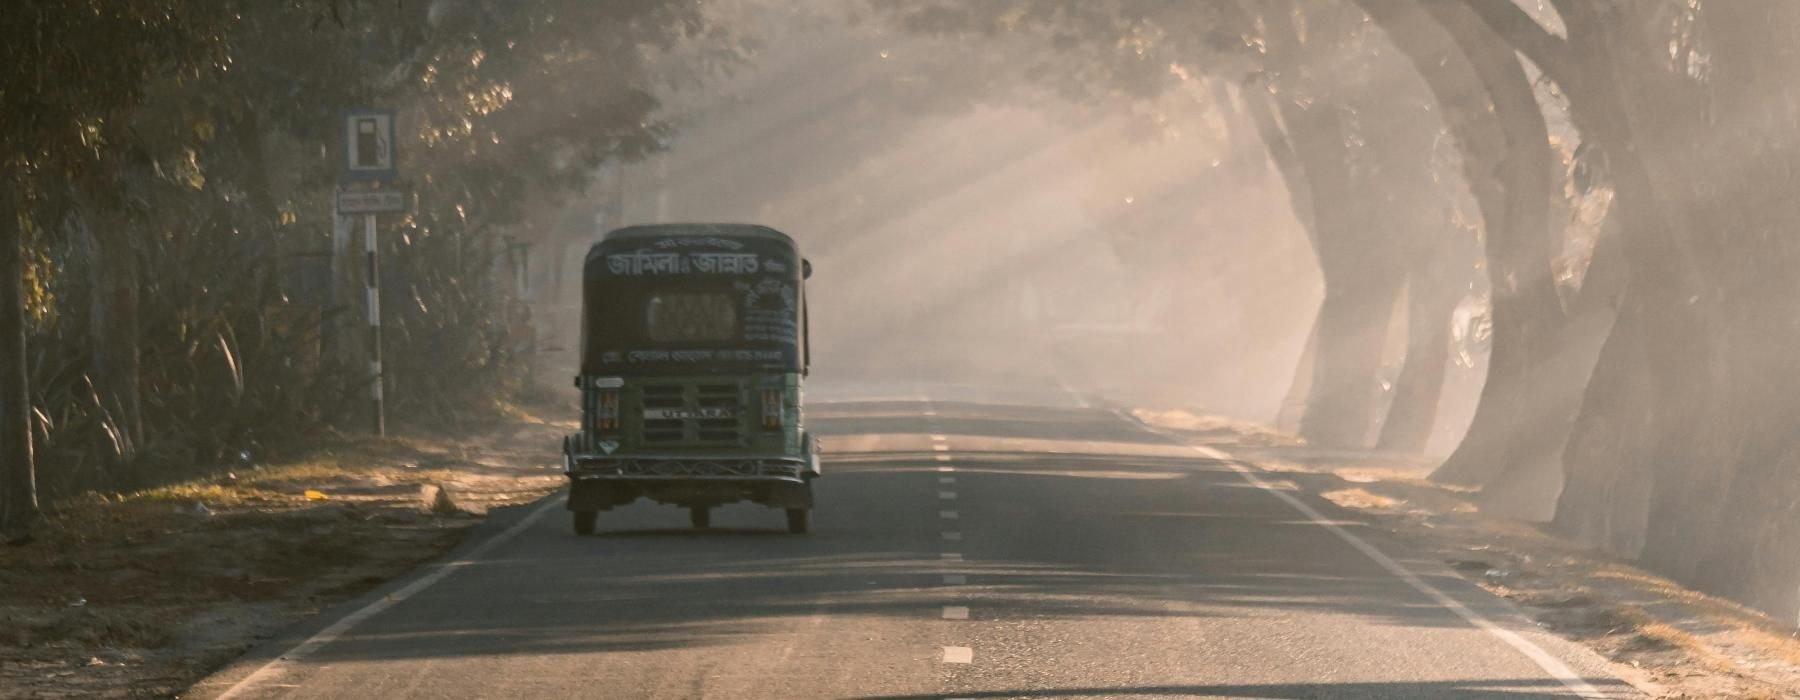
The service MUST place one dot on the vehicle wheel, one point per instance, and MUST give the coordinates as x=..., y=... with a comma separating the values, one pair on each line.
x=799, y=520
x=700, y=517
x=585, y=520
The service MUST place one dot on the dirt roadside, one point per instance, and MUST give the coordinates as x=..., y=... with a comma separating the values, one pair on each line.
x=141, y=594
x=1665, y=639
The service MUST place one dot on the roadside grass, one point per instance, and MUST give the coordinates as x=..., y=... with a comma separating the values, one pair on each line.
x=140, y=593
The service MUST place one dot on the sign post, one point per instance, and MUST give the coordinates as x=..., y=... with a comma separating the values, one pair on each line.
x=376, y=401
x=370, y=160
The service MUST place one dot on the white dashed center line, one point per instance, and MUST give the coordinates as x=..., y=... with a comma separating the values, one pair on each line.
x=941, y=449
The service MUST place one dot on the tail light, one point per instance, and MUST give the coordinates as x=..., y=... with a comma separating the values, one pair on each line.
x=609, y=410
x=771, y=409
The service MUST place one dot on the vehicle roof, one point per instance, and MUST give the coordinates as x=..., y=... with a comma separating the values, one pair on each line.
x=632, y=233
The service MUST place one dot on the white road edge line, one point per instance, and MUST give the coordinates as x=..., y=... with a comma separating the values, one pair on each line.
x=338, y=629
x=1544, y=659
x=1063, y=384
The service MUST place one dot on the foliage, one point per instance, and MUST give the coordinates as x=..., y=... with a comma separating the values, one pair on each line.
x=197, y=138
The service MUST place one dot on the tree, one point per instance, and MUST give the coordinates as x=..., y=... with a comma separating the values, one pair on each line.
x=18, y=478
x=70, y=73
x=168, y=160
x=1330, y=107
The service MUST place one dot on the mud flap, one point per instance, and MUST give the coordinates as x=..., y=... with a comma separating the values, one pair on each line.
x=810, y=452
x=790, y=495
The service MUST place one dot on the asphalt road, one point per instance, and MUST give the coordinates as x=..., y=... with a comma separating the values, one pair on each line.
x=967, y=543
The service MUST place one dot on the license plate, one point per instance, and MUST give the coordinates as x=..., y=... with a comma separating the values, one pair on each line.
x=683, y=413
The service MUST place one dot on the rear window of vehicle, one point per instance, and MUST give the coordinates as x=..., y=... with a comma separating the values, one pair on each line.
x=691, y=317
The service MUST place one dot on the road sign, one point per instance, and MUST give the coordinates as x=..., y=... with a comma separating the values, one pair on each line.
x=370, y=155
x=369, y=146
x=370, y=202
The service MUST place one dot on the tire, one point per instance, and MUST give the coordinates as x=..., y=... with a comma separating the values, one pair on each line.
x=585, y=520
x=700, y=517
x=799, y=520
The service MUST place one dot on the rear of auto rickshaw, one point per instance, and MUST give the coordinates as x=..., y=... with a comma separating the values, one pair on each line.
x=693, y=356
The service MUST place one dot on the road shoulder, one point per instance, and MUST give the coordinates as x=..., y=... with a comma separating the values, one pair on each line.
x=1666, y=640
x=142, y=594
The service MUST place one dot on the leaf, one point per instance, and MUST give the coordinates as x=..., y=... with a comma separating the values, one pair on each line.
x=231, y=363
x=312, y=495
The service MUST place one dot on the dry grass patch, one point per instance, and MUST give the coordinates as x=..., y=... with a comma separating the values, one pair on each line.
x=141, y=593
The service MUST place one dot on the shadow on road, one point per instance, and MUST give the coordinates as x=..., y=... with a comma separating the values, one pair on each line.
x=1473, y=689
x=972, y=420
x=1122, y=525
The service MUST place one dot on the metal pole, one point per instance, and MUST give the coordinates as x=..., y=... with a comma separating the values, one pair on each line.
x=374, y=286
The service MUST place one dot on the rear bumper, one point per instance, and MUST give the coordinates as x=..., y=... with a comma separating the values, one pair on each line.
x=603, y=482
x=668, y=468
x=583, y=460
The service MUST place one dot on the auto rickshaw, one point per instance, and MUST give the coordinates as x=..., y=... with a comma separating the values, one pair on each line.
x=693, y=355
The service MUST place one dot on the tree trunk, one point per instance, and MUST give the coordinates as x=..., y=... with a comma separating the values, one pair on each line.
x=1420, y=385
x=1607, y=484
x=1360, y=288
x=113, y=329
x=1293, y=403
x=1602, y=502
x=1353, y=323
x=1260, y=106
x=345, y=332
x=1724, y=369
x=18, y=478
x=1490, y=107
x=1530, y=488
x=1635, y=484
x=1356, y=256
x=1258, y=103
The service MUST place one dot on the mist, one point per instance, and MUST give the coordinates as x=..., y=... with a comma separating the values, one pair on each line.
x=1511, y=278
x=1147, y=255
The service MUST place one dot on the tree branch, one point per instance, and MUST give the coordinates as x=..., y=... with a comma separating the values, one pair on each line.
x=1549, y=52
x=1263, y=113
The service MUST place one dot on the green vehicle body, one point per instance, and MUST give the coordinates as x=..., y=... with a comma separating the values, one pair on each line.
x=709, y=413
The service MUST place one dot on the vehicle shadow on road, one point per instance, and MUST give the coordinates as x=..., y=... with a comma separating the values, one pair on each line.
x=1473, y=689
x=690, y=533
